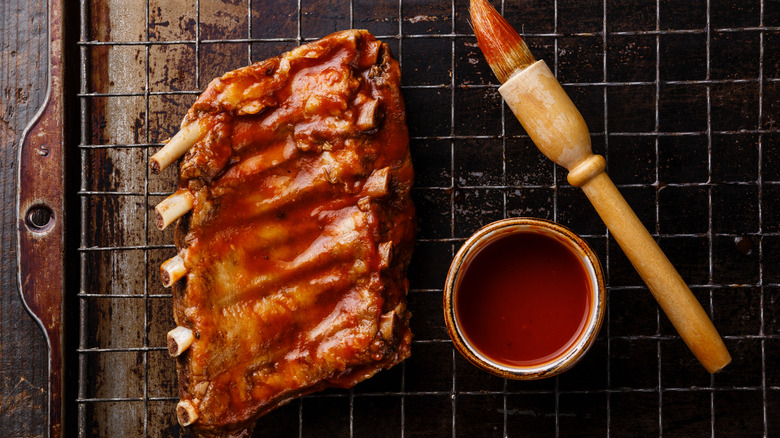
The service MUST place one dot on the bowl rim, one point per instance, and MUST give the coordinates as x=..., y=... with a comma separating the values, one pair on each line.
x=587, y=335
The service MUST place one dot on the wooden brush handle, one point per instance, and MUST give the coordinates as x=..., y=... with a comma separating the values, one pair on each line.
x=559, y=131
x=666, y=285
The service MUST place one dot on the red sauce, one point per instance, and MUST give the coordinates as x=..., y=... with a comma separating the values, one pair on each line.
x=523, y=299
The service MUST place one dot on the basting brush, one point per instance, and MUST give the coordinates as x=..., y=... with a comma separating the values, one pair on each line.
x=559, y=131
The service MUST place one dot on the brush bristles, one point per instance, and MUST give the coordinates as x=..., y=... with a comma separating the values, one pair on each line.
x=503, y=47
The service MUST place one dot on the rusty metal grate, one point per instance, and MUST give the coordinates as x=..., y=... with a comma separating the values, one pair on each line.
x=681, y=97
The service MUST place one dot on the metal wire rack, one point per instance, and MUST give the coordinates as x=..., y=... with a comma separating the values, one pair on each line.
x=681, y=98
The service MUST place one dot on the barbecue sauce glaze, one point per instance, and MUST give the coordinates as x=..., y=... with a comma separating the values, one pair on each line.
x=523, y=299
x=301, y=232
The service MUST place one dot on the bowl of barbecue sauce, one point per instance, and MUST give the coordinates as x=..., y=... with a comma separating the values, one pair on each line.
x=524, y=298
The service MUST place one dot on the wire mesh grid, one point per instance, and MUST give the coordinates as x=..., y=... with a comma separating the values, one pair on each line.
x=680, y=97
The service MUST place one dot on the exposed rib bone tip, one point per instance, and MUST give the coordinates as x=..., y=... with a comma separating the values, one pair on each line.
x=368, y=116
x=385, y=254
x=179, y=340
x=155, y=166
x=178, y=146
x=377, y=184
x=387, y=325
x=186, y=412
x=172, y=208
x=172, y=270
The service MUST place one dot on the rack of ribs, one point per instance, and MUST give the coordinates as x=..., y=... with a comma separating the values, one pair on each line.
x=294, y=229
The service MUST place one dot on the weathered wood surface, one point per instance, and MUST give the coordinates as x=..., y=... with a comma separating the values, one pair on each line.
x=23, y=354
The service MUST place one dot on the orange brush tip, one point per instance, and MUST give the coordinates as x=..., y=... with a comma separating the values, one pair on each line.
x=503, y=47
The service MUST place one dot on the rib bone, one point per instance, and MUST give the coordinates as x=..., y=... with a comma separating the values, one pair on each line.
x=172, y=270
x=385, y=254
x=172, y=208
x=186, y=412
x=387, y=324
x=176, y=147
x=367, y=117
x=179, y=340
x=378, y=183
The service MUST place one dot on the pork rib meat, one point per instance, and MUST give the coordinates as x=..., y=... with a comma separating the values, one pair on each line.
x=300, y=233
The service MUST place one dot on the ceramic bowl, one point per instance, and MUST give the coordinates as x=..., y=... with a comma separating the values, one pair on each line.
x=595, y=312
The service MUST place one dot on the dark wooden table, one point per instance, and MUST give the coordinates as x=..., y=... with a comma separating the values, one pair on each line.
x=23, y=363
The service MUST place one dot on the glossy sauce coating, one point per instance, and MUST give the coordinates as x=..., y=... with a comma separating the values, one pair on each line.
x=523, y=299
x=301, y=231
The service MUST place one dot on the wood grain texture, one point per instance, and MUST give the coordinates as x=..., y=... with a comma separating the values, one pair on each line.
x=23, y=354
